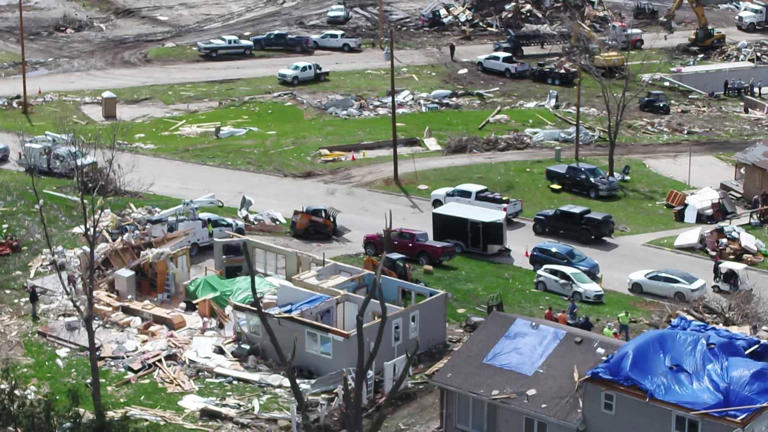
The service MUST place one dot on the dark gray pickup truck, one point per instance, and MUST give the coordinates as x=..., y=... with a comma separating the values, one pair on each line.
x=583, y=178
x=283, y=41
x=574, y=221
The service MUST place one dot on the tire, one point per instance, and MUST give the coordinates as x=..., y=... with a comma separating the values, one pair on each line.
x=346, y=48
x=480, y=67
x=247, y=52
x=322, y=78
x=517, y=52
x=240, y=231
x=194, y=248
x=538, y=228
x=507, y=73
x=557, y=81
x=549, y=80
x=295, y=81
x=576, y=297
x=716, y=288
x=751, y=27
x=636, y=288
x=459, y=248
x=424, y=259
x=679, y=296
x=214, y=53
x=541, y=286
x=537, y=266
x=585, y=237
x=593, y=193
x=316, y=45
x=436, y=204
x=370, y=249
x=638, y=44
x=299, y=48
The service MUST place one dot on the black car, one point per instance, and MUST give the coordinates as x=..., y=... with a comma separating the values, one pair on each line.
x=575, y=221
x=655, y=102
x=563, y=254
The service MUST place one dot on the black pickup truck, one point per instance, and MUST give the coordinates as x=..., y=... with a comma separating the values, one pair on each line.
x=575, y=221
x=583, y=178
x=280, y=40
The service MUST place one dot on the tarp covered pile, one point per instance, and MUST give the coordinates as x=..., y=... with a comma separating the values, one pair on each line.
x=236, y=289
x=693, y=365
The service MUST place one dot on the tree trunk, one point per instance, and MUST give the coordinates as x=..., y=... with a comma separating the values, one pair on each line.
x=611, y=151
x=93, y=359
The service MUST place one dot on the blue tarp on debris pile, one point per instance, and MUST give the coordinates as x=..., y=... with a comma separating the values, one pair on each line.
x=693, y=365
x=524, y=348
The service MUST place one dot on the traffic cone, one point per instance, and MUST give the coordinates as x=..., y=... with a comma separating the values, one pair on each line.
x=527, y=255
x=353, y=156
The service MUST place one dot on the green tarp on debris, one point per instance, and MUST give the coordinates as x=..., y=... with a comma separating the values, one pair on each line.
x=236, y=289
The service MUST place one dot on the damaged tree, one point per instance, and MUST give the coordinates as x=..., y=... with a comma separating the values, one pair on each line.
x=352, y=393
x=93, y=185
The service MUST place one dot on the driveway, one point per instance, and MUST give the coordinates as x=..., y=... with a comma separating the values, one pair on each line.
x=705, y=170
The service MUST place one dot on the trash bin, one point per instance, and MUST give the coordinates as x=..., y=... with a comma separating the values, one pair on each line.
x=109, y=105
x=558, y=152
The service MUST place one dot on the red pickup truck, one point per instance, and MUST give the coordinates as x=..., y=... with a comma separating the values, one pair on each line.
x=411, y=243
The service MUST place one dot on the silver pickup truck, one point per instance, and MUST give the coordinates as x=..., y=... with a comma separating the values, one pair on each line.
x=337, y=39
x=477, y=195
x=225, y=45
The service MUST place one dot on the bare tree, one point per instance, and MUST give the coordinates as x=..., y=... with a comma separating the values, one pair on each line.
x=93, y=186
x=352, y=395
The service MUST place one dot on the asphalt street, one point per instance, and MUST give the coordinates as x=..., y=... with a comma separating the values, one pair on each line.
x=236, y=69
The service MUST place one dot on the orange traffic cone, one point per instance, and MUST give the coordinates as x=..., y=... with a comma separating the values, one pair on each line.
x=353, y=156
x=527, y=255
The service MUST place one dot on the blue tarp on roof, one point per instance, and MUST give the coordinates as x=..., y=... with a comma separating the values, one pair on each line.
x=524, y=348
x=693, y=365
x=294, y=308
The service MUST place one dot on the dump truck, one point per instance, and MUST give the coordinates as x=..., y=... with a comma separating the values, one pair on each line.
x=752, y=16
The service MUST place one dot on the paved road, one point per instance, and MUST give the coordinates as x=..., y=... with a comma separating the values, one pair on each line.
x=363, y=212
x=235, y=69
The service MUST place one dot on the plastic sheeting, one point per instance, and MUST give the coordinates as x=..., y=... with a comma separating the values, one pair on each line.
x=294, y=308
x=236, y=289
x=693, y=365
x=524, y=348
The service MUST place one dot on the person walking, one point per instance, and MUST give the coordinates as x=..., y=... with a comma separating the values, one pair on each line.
x=725, y=88
x=623, y=319
x=452, y=49
x=33, y=299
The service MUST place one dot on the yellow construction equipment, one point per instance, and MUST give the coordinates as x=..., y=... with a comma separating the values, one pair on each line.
x=612, y=62
x=704, y=36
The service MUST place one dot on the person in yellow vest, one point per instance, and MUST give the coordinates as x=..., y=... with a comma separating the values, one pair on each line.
x=624, y=324
x=210, y=228
x=608, y=331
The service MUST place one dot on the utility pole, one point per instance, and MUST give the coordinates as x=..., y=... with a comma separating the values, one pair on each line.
x=394, y=105
x=23, y=60
x=578, y=116
x=381, y=22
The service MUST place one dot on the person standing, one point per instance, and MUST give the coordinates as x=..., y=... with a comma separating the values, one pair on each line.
x=573, y=309
x=725, y=88
x=623, y=319
x=210, y=228
x=452, y=49
x=759, y=88
x=716, y=269
x=33, y=299
x=752, y=87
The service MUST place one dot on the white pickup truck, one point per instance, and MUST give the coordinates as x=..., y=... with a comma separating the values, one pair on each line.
x=502, y=62
x=225, y=45
x=477, y=195
x=337, y=39
x=302, y=71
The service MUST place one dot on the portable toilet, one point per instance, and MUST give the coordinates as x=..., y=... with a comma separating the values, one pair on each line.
x=109, y=105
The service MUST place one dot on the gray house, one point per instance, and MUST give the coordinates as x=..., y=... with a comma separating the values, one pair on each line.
x=519, y=374
x=315, y=307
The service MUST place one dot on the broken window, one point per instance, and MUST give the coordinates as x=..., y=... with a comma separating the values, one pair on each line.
x=413, y=325
x=253, y=325
x=397, y=332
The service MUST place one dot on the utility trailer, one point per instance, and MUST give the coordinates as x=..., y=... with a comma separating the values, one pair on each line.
x=470, y=228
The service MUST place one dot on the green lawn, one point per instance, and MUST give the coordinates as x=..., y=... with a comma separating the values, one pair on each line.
x=635, y=210
x=470, y=282
x=669, y=243
x=9, y=57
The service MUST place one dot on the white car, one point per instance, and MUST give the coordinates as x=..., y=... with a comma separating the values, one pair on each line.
x=569, y=282
x=336, y=39
x=5, y=152
x=503, y=63
x=337, y=14
x=675, y=284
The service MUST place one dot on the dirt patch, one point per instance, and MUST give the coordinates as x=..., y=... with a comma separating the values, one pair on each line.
x=146, y=110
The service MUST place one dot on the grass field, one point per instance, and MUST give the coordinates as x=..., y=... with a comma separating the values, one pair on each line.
x=635, y=210
x=472, y=281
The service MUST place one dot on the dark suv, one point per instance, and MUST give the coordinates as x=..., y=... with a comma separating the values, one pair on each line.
x=574, y=220
x=566, y=255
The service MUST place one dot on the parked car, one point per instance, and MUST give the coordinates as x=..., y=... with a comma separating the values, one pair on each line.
x=573, y=220
x=282, y=41
x=337, y=14
x=655, y=102
x=5, y=152
x=569, y=282
x=479, y=196
x=564, y=255
x=225, y=45
x=411, y=243
x=301, y=72
x=675, y=284
x=502, y=62
x=583, y=178
x=337, y=39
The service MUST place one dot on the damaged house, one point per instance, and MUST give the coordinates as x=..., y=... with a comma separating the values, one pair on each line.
x=315, y=307
x=752, y=170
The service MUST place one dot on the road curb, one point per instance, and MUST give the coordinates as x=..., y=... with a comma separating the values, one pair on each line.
x=680, y=252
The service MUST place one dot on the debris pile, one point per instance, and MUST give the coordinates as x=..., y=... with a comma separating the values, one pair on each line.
x=728, y=242
x=489, y=143
x=703, y=206
x=755, y=51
